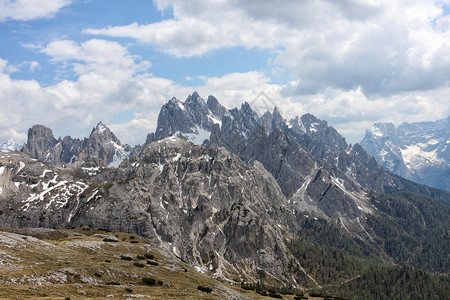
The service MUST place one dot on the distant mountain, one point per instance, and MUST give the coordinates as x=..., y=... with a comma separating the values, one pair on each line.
x=418, y=151
x=102, y=146
x=9, y=146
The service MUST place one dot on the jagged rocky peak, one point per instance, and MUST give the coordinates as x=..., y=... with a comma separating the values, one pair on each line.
x=40, y=142
x=192, y=119
x=215, y=107
x=296, y=125
x=277, y=118
x=272, y=120
x=242, y=132
x=321, y=132
x=101, y=131
x=102, y=145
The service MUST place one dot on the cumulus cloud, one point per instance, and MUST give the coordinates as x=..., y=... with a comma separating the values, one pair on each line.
x=108, y=80
x=351, y=111
x=352, y=63
x=383, y=47
x=74, y=106
x=25, y=10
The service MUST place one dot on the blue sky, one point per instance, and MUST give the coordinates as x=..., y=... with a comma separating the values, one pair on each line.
x=69, y=64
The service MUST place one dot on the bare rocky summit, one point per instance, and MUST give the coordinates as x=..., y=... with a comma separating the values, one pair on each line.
x=102, y=146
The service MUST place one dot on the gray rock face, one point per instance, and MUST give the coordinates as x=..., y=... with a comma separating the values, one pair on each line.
x=203, y=204
x=35, y=194
x=224, y=210
x=293, y=152
x=192, y=119
x=40, y=143
x=102, y=145
x=417, y=151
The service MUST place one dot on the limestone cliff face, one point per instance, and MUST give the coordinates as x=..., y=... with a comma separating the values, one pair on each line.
x=203, y=204
x=41, y=143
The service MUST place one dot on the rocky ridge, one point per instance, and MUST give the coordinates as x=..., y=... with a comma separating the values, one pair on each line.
x=102, y=147
x=203, y=204
x=310, y=160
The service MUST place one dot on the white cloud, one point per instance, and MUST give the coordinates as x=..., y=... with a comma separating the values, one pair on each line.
x=26, y=10
x=74, y=106
x=108, y=80
x=351, y=62
x=383, y=47
x=351, y=112
x=34, y=65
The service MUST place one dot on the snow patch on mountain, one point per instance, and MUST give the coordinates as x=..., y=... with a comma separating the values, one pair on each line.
x=417, y=157
x=120, y=155
x=9, y=146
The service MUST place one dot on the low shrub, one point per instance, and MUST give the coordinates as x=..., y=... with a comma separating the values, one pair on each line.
x=112, y=283
x=98, y=274
x=149, y=256
x=110, y=240
x=124, y=257
x=128, y=290
x=204, y=289
x=140, y=257
x=149, y=281
x=134, y=242
x=262, y=293
x=153, y=263
x=275, y=295
x=139, y=265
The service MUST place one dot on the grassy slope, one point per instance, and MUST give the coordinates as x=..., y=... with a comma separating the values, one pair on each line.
x=55, y=264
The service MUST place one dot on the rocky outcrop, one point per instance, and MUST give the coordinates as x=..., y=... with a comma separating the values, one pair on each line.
x=192, y=119
x=102, y=145
x=41, y=144
x=212, y=208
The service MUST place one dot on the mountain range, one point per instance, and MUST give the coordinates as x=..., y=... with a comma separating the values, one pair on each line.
x=418, y=151
x=237, y=196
